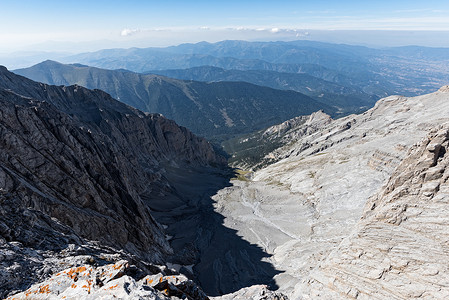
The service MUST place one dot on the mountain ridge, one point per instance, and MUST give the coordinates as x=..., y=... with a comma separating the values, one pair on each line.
x=209, y=109
x=89, y=183
x=348, y=99
x=378, y=72
x=78, y=165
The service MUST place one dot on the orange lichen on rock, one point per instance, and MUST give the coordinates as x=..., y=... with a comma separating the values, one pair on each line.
x=113, y=287
x=29, y=292
x=88, y=285
x=44, y=289
x=74, y=272
x=73, y=286
x=119, y=265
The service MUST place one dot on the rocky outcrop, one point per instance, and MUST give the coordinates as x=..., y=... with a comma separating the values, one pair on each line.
x=255, y=292
x=120, y=280
x=80, y=168
x=444, y=89
x=296, y=128
x=255, y=151
x=399, y=248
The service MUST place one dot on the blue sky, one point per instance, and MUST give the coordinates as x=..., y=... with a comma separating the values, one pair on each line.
x=56, y=25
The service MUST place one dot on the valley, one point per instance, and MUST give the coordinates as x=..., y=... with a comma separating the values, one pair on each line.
x=304, y=182
x=214, y=110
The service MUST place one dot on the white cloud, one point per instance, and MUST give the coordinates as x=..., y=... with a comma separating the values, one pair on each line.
x=128, y=32
x=422, y=10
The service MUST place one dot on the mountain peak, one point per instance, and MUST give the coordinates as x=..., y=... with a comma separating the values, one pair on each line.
x=444, y=89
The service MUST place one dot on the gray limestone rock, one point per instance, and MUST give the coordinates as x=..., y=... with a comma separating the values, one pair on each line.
x=302, y=207
x=255, y=292
x=399, y=248
x=120, y=280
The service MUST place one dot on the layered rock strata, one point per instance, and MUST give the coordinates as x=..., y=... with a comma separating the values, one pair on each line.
x=301, y=208
x=399, y=248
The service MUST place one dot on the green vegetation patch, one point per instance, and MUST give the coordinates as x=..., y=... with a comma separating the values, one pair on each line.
x=241, y=175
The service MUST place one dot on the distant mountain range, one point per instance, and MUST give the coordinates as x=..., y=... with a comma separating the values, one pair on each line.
x=214, y=110
x=234, y=87
x=348, y=99
x=404, y=70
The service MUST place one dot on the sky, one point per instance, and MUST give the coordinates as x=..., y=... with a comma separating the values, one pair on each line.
x=76, y=26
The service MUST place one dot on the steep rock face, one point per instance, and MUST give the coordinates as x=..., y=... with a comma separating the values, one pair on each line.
x=118, y=120
x=265, y=147
x=301, y=208
x=78, y=166
x=399, y=248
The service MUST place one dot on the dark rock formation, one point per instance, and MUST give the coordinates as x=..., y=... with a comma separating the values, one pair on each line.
x=75, y=165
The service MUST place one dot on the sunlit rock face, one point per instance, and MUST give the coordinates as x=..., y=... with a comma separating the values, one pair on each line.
x=120, y=280
x=399, y=248
x=302, y=207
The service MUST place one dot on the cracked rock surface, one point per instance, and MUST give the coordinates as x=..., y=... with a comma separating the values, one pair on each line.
x=301, y=208
x=399, y=248
x=120, y=280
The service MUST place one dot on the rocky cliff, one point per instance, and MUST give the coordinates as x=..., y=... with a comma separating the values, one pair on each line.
x=265, y=147
x=78, y=173
x=399, y=248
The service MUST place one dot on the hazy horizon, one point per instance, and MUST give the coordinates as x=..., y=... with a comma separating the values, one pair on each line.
x=60, y=26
